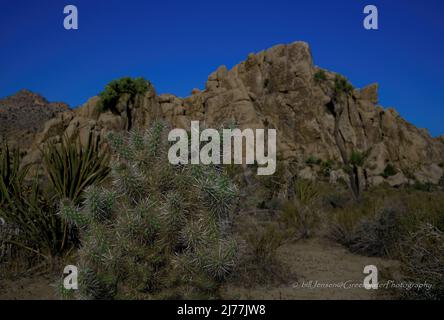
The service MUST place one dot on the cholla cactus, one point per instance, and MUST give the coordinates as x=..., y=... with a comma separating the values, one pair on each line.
x=158, y=230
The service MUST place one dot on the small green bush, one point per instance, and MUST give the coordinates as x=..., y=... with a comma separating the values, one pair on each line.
x=389, y=171
x=342, y=85
x=327, y=167
x=312, y=160
x=320, y=76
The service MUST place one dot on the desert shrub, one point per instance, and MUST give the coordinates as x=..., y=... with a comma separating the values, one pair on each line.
x=410, y=230
x=71, y=167
x=260, y=241
x=306, y=193
x=389, y=171
x=327, y=167
x=373, y=228
x=374, y=231
x=272, y=184
x=376, y=236
x=342, y=227
x=423, y=208
x=333, y=196
x=320, y=76
x=159, y=230
x=263, y=242
x=422, y=257
x=345, y=219
x=300, y=215
x=342, y=85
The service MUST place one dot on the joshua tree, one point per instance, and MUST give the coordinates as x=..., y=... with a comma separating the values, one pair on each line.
x=157, y=230
x=355, y=162
x=124, y=88
x=342, y=92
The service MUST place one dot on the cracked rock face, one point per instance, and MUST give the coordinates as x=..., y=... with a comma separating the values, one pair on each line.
x=276, y=88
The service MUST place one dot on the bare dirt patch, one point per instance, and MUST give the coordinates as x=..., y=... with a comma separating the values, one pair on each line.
x=322, y=261
x=39, y=287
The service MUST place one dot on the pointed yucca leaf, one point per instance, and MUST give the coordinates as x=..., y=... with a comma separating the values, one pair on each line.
x=72, y=167
x=25, y=206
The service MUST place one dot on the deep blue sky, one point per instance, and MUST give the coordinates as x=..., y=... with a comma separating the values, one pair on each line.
x=177, y=44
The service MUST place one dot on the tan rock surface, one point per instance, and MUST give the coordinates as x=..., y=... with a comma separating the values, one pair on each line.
x=276, y=88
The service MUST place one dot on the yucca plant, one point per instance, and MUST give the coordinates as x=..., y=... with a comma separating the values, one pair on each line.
x=12, y=174
x=71, y=167
x=158, y=230
x=355, y=161
x=31, y=208
x=27, y=210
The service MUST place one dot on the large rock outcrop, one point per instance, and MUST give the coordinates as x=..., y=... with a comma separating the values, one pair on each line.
x=277, y=88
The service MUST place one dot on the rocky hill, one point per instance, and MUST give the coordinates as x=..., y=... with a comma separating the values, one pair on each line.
x=320, y=119
x=24, y=114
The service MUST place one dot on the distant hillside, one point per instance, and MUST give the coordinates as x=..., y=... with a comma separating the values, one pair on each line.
x=24, y=114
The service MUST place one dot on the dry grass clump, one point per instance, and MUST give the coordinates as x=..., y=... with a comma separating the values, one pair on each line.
x=409, y=229
x=422, y=255
x=260, y=239
x=301, y=214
